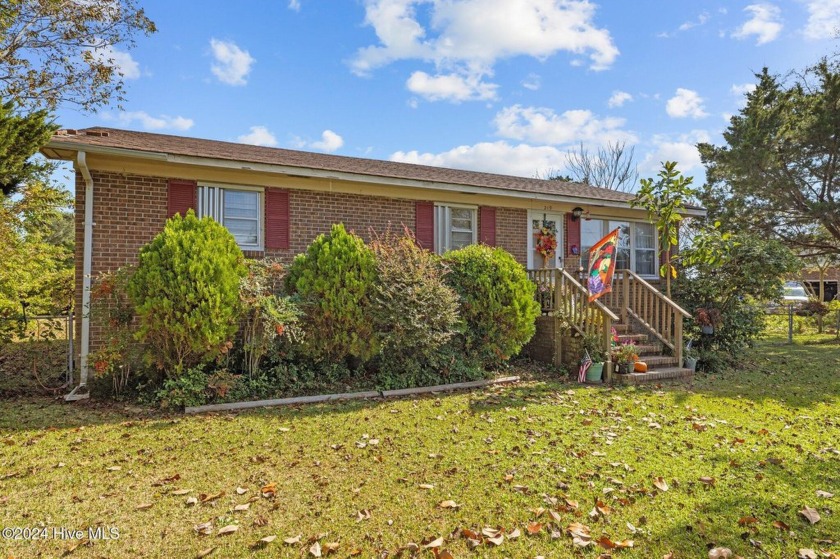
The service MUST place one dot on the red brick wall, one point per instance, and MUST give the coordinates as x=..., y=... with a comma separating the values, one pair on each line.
x=129, y=210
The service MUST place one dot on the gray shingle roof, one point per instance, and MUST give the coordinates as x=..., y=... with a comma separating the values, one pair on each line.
x=179, y=145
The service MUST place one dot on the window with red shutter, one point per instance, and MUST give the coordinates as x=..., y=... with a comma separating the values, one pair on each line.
x=424, y=224
x=276, y=218
x=181, y=197
x=487, y=225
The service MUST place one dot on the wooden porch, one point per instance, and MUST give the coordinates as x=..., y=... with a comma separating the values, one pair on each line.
x=637, y=311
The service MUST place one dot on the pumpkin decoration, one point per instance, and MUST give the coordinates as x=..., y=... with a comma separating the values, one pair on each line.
x=640, y=367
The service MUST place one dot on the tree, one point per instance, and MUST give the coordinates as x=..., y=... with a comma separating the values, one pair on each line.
x=778, y=173
x=37, y=267
x=63, y=51
x=664, y=200
x=612, y=167
x=20, y=138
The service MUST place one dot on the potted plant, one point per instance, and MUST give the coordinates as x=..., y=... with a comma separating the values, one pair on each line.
x=707, y=319
x=625, y=355
x=690, y=357
x=593, y=345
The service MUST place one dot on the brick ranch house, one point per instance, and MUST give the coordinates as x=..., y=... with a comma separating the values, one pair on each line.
x=276, y=201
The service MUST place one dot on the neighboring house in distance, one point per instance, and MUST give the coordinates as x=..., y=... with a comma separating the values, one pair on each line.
x=276, y=201
x=831, y=281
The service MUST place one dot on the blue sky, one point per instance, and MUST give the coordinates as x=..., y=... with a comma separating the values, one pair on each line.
x=504, y=86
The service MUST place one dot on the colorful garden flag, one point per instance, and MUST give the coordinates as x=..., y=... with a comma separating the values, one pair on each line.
x=602, y=265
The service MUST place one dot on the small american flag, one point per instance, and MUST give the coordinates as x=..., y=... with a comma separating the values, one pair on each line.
x=585, y=363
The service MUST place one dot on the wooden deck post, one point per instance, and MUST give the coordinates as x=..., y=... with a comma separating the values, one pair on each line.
x=678, y=338
x=625, y=296
x=607, y=343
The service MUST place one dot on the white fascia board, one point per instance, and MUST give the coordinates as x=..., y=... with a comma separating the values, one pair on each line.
x=345, y=176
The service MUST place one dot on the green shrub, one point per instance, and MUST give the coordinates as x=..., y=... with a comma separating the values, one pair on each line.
x=186, y=290
x=266, y=314
x=334, y=280
x=414, y=312
x=119, y=356
x=187, y=389
x=497, y=302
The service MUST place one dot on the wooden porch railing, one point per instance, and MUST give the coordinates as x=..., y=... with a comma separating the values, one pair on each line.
x=560, y=295
x=634, y=297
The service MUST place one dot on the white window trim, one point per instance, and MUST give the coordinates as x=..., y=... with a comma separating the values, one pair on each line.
x=656, y=250
x=260, y=244
x=443, y=228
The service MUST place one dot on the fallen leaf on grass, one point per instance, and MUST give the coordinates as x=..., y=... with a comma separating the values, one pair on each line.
x=824, y=494
x=434, y=543
x=497, y=540
x=242, y=507
x=262, y=542
x=443, y=554
x=204, y=529
x=747, y=520
x=709, y=481
x=534, y=528
x=191, y=501
x=269, y=490
x=331, y=547
x=204, y=553
x=607, y=543
x=660, y=484
x=293, y=540
x=781, y=525
x=515, y=533
x=229, y=529
x=113, y=468
x=811, y=515
x=426, y=486
x=180, y=492
x=241, y=490
x=205, y=498
x=362, y=515
x=315, y=550
x=806, y=554
x=720, y=553
x=143, y=506
x=449, y=505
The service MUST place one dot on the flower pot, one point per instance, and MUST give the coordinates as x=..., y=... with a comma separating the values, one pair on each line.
x=625, y=368
x=691, y=363
x=594, y=372
x=707, y=329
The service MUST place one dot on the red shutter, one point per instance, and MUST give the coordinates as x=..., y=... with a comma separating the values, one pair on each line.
x=487, y=223
x=572, y=234
x=424, y=224
x=181, y=197
x=276, y=218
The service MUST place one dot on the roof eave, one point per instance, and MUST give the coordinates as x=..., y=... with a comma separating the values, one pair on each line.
x=54, y=148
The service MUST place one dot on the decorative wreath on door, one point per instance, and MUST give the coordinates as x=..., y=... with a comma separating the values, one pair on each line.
x=546, y=240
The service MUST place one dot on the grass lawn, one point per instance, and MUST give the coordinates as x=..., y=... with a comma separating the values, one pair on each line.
x=736, y=458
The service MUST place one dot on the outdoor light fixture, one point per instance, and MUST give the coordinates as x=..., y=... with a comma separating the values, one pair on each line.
x=576, y=213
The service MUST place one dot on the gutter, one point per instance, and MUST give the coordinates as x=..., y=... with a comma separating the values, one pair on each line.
x=81, y=392
x=306, y=172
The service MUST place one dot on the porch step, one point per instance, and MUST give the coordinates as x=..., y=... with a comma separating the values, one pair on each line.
x=643, y=350
x=632, y=338
x=659, y=375
x=660, y=360
x=621, y=328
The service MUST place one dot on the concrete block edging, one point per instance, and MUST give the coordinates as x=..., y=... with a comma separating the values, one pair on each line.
x=350, y=396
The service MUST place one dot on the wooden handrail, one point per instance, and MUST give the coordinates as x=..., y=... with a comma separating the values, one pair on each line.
x=570, y=300
x=653, y=310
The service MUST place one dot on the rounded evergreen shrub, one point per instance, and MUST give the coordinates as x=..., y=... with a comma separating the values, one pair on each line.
x=334, y=280
x=496, y=302
x=186, y=290
x=414, y=313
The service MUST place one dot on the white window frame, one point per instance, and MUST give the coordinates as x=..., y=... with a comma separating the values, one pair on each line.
x=605, y=219
x=443, y=225
x=211, y=203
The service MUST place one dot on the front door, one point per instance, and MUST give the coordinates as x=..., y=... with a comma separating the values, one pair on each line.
x=546, y=231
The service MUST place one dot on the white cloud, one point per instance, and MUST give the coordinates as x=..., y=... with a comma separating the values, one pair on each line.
x=294, y=5
x=543, y=126
x=686, y=103
x=148, y=122
x=491, y=157
x=532, y=82
x=330, y=142
x=765, y=23
x=701, y=19
x=258, y=136
x=742, y=88
x=823, y=19
x=467, y=37
x=232, y=64
x=122, y=61
x=450, y=87
x=618, y=98
x=681, y=149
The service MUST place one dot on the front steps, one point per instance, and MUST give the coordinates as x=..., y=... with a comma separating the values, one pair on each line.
x=661, y=366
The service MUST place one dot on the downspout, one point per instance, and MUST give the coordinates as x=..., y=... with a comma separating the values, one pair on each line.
x=81, y=391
